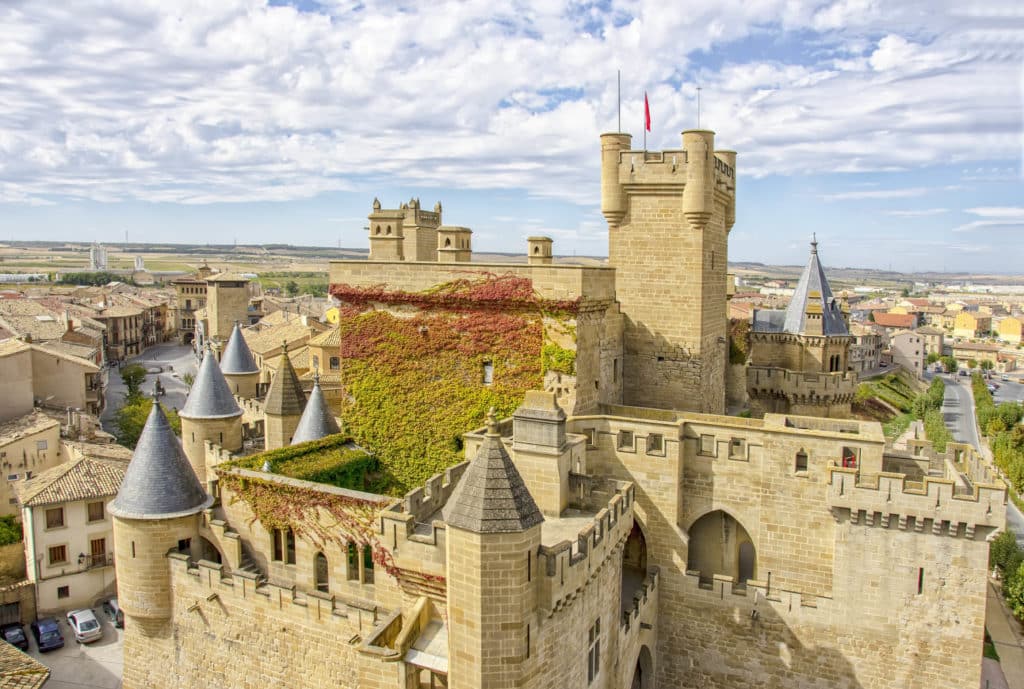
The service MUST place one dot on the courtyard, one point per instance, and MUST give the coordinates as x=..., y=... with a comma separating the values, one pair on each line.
x=97, y=665
x=168, y=362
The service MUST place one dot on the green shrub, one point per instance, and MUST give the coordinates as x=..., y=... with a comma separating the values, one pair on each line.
x=10, y=530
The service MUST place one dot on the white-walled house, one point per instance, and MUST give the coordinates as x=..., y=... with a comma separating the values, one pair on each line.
x=69, y=540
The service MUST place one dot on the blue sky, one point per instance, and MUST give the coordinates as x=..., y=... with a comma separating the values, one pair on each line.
x=891, y=129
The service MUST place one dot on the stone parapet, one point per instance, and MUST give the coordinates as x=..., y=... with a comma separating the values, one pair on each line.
x=568, y=566
x=934, y=504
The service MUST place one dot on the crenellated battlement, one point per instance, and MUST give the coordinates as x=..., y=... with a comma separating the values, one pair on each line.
x=936, y=504
x=568, y=565
x=206, y=590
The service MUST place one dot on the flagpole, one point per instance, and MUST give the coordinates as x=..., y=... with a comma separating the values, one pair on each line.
x=645, y=123
x=619, y=79
x=698, y=107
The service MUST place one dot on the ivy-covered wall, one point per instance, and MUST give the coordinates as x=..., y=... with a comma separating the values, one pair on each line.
x=414, y=364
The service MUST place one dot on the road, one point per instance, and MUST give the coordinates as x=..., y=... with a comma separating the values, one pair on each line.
x=168, y=361
x=958, y=413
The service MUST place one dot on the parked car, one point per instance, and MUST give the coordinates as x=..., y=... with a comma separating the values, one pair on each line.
x=85, y=625
x=14, y=634
x=1004, y=378
x=113, y=611
x=962, y=372
x=992, y=389
x=47, y=633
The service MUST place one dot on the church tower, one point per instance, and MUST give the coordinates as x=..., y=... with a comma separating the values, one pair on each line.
x=156, y=511
x=210, y=413
x=284, y=404
x=669, y=214
x=493, y=538
x=239, y=367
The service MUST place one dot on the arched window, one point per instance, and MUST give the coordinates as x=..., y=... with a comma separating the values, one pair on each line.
x=388, y=231
x=801, y=460
x=536, y=249
x=378, y=229
x=321, y=573
x=448, y=241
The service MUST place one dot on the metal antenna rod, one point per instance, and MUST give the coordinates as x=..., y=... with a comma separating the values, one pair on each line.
x=698, y=107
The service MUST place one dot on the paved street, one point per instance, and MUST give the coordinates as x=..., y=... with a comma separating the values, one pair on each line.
x=958, y=409
x=98, y=665
x=169, y=361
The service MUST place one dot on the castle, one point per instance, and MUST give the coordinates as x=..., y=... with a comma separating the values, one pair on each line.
x=610, y=528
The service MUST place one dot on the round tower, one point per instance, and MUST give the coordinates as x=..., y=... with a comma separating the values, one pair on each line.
x=239, y=367
x=210, y=413
x=156, y=511
x=284, y=404
x=317, y=421
x=492, y=543
x=613, y=198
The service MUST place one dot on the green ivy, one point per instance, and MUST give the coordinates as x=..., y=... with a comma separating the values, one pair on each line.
x=557, y=358
x=332, y=460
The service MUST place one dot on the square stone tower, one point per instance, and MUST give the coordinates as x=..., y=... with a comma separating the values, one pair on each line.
x=227, y=303
x=669, y=214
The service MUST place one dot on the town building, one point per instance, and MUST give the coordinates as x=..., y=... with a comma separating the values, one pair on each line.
x=29, y=445
x=907, y=349
x=934, y=339
x=611, y=530
x=1008, y=329
x=970, y=325
x=45, y=375
x=865, y=349
x=69, y=545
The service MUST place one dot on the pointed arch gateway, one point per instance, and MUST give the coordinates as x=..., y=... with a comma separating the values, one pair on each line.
x=719, y=544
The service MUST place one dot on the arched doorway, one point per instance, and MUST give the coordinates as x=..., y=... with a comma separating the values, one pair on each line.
x=634, y=565
x=208, y=551
x=322, y=573
x=720, y=545
x=643, y=674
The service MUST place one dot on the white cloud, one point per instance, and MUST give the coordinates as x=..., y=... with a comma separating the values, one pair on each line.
x=918, y=212
x=862, y=194
x=197, y=102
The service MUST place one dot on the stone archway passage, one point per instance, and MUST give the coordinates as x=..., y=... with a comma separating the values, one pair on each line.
x=634, y=565
x=720, y=545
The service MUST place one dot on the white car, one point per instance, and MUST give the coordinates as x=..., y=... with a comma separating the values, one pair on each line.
x=85, y=625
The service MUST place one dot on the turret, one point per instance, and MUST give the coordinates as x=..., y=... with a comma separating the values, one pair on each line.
x=493, y=535
x=239, y=367
x=454, y=244
x=284, y=404
x=613, y=197
x=728, y=159
x=538, y=251
x=210, y=413
x=317, y=421
x=699, y=193
x=156, y=511
x=386, y=236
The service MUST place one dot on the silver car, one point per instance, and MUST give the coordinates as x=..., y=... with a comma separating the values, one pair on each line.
x=85, y=625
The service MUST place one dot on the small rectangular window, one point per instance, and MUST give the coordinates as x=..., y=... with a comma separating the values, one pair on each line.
x=63, y=591
x=277, y=536
x=12, y=477
x=737, y=448
x=850, y=457
x=615, y=370
x=801, y=461
x=594, y=651
x=626, y=440
x=488, y=373
x=655, y=444
x=591, y=434
x=96, y=511
x=58, y=554
x=920, y=580
x=55, y=518
x=335, y=363
x=41, y=445
x=707, y=445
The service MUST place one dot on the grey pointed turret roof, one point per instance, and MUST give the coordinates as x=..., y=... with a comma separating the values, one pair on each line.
x=237, y=358
x=491, y=497
x=317, y=420
x=159, y=482
x=813, y=289
x=210, y=397
x=285, y=396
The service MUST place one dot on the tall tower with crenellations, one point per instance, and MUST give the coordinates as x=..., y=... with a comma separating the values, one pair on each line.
x=669, y=215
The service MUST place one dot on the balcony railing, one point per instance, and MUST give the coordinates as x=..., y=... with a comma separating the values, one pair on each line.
x=93, y=561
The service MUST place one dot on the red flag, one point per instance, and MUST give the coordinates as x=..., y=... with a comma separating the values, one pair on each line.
x=647, y=113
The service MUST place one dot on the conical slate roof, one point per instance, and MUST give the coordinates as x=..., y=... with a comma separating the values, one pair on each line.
x=210, y=397
x=812, y=289
x=237, y=358
x=285, y=397
x=491, y=497
x=317, y=420
x=159, y=482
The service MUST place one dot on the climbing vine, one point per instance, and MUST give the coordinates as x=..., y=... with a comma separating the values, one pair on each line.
x=333, y=460
x=421, y=368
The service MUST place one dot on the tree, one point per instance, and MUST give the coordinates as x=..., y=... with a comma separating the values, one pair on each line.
x=188, y=379
x=932, y=358
x=987, y=365
x=291, y=288
x=133, y=375
x=972, y=363
x=10, y=530
x=129, y=420
x=1004, y=552
x=949, y=363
